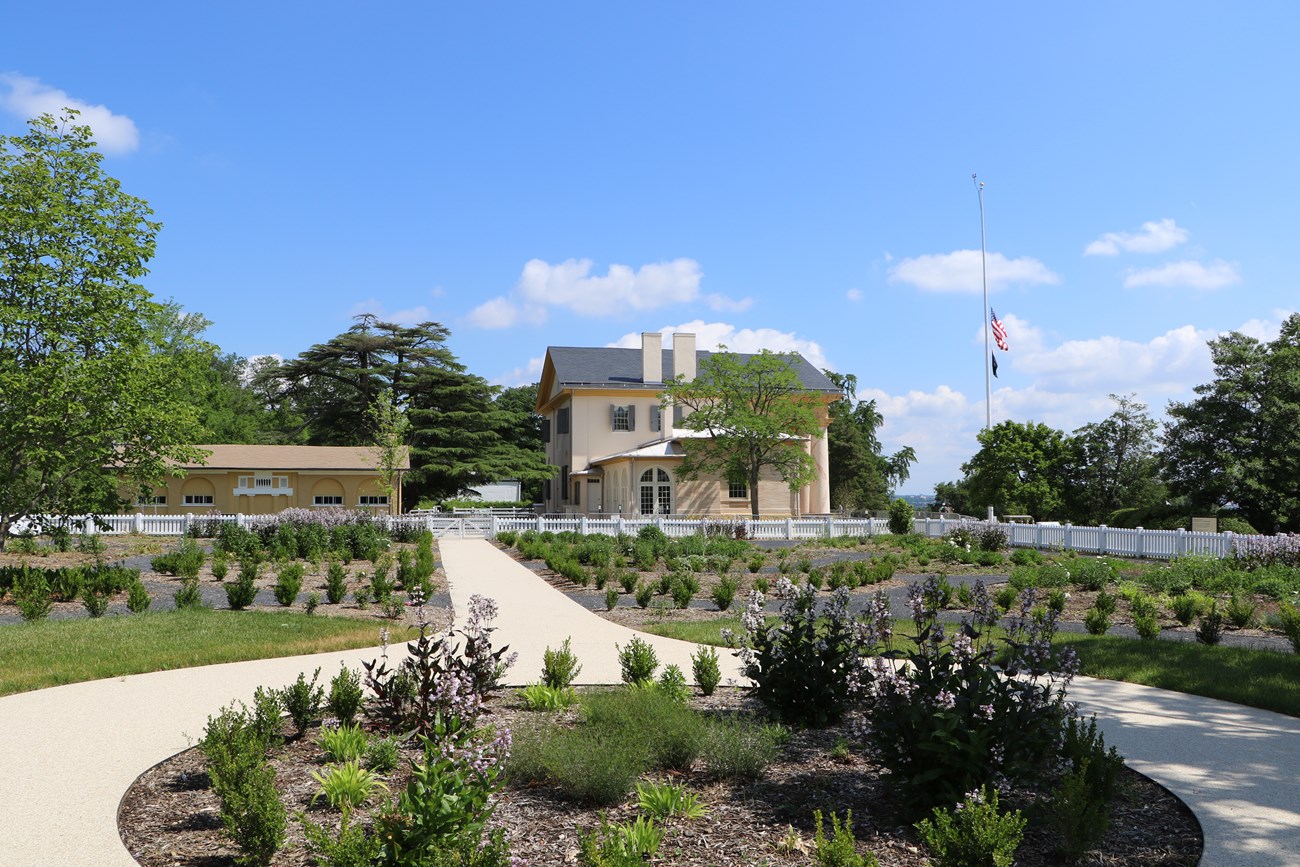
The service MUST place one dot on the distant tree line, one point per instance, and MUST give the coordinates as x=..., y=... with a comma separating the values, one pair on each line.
x=1232, y=452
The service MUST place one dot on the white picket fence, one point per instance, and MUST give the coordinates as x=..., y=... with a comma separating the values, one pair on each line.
x=1154, y=544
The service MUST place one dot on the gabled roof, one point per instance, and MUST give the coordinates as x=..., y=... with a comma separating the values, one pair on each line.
x=615, y=367
x=256, y=457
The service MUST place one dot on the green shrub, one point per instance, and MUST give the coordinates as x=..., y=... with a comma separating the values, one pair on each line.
x=336, y=583
x=1096, y=621
x=303, y=700
x=507, y=538
x=255, y=818
x=241, y=592
x=1240, y=611
x=352, y=846
x=1147, y=626
x=32, y=595
x=593, y=767
x=724, y=592
x=94, y=597
x=1289, y=622
x=841, y=849
x=662, y=801
x=1094, y=573
x=287, y=583
x=670, y=732
x=1078, y=811
x=611, y=598
x=900, y=517
x=1209, y=629
x=138, y=599
x=1188, y=607
x=637, y=661
x=976, y=833
x=1142, y=605
x=382, y=755
x=672, y=683
x=345, y=695
x=683, y=588
x=187, y=595
x=220, y=567
x=755, y=563
x=1056, y=600
x=1005, y=598
x=705, y=669
x=645, y=594
x=560, y=667
x=1026, y=557
x=627, y=844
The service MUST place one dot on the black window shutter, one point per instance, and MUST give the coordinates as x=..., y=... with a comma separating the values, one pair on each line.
x=546, y=430
x=631, y=417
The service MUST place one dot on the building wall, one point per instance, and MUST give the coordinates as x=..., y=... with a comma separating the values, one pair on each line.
x=222, y=486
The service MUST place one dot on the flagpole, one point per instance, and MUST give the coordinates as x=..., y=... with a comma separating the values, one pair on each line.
x=984, y=275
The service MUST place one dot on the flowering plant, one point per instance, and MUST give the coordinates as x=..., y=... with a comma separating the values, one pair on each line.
x=944, y=719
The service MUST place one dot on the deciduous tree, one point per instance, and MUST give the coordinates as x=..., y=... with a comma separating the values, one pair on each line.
x=1021, y=469
x=754, y=413
x=87, y=395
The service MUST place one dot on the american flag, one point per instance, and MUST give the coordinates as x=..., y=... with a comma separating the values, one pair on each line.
x=999, y=333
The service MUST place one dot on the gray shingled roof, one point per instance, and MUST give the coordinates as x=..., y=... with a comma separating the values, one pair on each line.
x=613, y=366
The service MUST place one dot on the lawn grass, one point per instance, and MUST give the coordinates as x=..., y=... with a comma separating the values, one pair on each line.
x=54, y=652
x=1257, y=678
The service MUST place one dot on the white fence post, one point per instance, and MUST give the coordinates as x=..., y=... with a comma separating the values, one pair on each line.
x=1069, y=537
x=1140, y=545
x=1180, y=542
x=789, y=528
x=582, y=525
x=492, y=530
x=139, y=522
x=539, y=523
x=1101, y=539
x=830, y=526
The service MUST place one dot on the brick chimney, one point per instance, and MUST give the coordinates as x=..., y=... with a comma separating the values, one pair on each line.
x=652, y=356
x=684, y=356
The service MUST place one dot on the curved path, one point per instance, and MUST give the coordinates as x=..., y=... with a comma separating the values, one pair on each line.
x=68, y=754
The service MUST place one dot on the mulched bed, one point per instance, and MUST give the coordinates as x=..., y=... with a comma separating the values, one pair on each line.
x=170, y=816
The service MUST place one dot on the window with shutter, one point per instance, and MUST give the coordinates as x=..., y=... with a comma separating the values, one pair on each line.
x=546, y=430
x=562, y=421
x=621, y=417
x=656, y=418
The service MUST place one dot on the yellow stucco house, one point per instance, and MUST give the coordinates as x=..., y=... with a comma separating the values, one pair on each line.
x=263, y=480
x=618, y=452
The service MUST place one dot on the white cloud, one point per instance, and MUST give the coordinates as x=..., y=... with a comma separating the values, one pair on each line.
x=710, y=335
x=960, y=271
x=526, y=375
x=1154, y=237
x=1190, y=273
x=28, y=97
x=497, y=313
x=622, y=289
x=373, y=306
x=853, y=295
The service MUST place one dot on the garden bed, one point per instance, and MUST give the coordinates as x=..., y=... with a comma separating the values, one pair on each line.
x=170, y=816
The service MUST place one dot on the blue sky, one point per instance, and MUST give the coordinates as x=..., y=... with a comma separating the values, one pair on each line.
x=795, y=176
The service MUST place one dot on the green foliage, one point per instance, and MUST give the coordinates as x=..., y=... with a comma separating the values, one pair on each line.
x=313, y=602
x=611, y=598
x=738, y=749
x=624, y=845
x=287, y=584
x=1020, y=469
x=1096, y=621
x=637, y=661
x=336, y=583
x=302, y=700
x=242, y=592
x=32, y=595
x=185, y=561
x=347, y=786
x=976, y=834
x=187, y=596
x=1094, y=573
x=901, y=514
x=382, y=755
x=560, y=667
x=801, y=665
x=1214, y=452
x=94, y=379
x=840, y=850
x=1209, y=629
x=661, y=801
x=724, y=592
x=1240, y=611
x=1189, y=606
x=751, y=406
x=352, y=846
x=1026, y=557
x=590, y=766
x=138, y=599
x=255, y=818
x=1289, y=622
x=344, y=743
x=1147, y=626
x=645, y=594
x=672, y=683
x=345, y=695
x=539, y=696
x=705, y=669
x=1078, y=811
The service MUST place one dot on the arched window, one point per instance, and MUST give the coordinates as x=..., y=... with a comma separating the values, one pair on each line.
x=656, y=492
